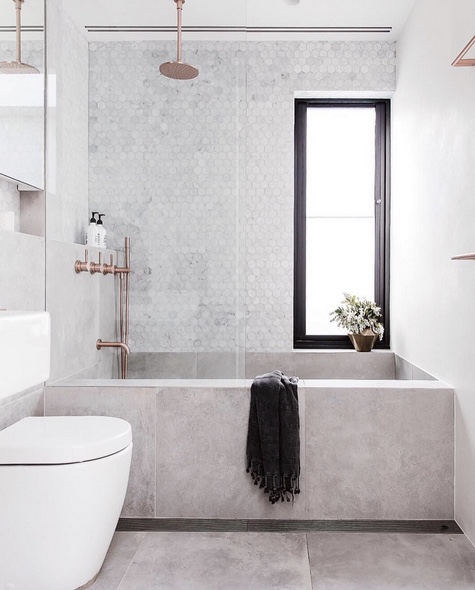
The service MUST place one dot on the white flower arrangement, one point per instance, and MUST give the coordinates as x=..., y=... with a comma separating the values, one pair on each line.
x=358, y=315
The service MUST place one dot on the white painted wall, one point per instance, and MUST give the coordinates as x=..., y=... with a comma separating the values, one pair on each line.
x=433, y=216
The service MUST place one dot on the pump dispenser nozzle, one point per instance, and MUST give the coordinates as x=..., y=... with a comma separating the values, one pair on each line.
x=93, y=217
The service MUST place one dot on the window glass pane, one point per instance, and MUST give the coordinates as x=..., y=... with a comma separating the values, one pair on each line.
x=340, y=259
x=340, y=161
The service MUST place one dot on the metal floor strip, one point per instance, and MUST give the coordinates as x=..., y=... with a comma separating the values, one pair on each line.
x=259, y=525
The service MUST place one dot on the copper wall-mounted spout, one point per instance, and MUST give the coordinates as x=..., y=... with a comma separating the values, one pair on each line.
x=100, y=344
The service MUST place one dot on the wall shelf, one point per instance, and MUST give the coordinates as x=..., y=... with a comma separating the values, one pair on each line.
x=464, y=257
x=460, y=60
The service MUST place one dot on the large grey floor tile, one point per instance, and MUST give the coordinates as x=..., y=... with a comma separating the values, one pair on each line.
x=220, y=561
x=118, y=559
x=365, y=561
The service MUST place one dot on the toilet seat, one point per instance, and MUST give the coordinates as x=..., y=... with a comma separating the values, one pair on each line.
x=55, y=440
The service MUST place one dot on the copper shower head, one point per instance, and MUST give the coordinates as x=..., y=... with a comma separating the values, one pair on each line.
x=179, y=70
x=17, y=67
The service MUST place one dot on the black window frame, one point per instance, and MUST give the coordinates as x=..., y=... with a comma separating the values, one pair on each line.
x=382, y=219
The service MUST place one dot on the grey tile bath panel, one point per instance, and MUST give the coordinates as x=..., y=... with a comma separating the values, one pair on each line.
x=379, y=454
x=365, y=561
x=349, y=364
x=137, y=406
x=217, y=561
x=31, y=404
x=259, y=363
x=118, y=558
x=216, y=365
x=201, y=464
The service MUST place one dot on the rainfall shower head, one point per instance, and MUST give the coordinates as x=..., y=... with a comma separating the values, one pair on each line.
x=17, y=67
x=179, y=70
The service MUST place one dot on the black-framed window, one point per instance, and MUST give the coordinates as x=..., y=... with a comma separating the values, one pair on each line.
x=342, y=187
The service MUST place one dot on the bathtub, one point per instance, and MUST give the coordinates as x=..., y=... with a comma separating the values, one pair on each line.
x=373, y=446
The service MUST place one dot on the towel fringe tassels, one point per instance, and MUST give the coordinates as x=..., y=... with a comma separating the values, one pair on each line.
x=283, y=489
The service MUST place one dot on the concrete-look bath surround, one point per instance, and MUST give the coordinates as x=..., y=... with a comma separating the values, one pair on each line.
x=202, y=182
x=363, y=453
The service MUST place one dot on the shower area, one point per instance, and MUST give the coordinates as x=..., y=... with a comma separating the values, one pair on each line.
x=198, y=172
x=167, y=163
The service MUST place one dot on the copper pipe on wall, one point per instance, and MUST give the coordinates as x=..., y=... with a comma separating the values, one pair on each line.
x=127, y=302
x=121, y=324
x=124, y=301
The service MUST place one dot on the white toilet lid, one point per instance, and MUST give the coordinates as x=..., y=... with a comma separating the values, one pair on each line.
x=63, y=439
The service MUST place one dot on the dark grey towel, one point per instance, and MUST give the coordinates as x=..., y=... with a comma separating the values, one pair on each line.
x=273, y=438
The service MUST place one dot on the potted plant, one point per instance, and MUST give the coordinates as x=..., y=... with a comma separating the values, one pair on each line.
x=361, y=318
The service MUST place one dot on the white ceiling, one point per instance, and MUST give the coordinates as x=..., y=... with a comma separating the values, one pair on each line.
x=245, y=15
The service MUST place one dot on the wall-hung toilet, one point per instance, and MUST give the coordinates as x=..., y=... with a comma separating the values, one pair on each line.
x=63, y=481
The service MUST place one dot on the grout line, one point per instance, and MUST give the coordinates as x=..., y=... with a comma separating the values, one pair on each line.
x=144, y=536
x=308, y=561
x=155, y=452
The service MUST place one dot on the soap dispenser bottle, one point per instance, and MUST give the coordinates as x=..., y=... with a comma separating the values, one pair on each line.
x=91, y=231
x=101, y=231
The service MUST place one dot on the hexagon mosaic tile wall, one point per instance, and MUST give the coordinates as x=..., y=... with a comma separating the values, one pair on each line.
x=200, y=175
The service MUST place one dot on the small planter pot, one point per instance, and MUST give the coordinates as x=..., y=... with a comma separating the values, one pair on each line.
x=363, y=342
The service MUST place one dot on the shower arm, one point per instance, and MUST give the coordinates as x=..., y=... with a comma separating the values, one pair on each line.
x=179, y=6
x=18, y=4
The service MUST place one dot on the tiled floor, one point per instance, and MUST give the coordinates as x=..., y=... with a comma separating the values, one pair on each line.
x=288, y=561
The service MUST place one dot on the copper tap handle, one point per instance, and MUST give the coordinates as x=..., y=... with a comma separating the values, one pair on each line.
x=80, y=266
x=98, y=266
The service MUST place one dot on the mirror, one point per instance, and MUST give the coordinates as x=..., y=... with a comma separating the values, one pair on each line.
x=22, y=97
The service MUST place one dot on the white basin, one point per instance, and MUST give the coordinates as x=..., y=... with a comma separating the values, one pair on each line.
x=25, y=341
